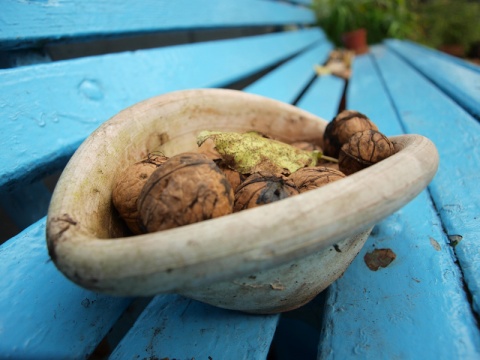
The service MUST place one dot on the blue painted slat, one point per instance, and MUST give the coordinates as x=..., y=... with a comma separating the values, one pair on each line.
x=44, y=315
x=323, y=97
x=287, y=82
x=460, y=82
x=48, y=110
x=426, y=110
x=24, y=23
x=419, y=47
x=366, y=82
x=416, y=307
x=413, y=309
x=301, y=2
x=174, y=327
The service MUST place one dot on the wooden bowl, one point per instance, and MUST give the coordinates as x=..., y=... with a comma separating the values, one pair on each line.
x=268, y=259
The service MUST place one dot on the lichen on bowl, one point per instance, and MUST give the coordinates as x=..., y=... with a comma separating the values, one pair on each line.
x=268, y=259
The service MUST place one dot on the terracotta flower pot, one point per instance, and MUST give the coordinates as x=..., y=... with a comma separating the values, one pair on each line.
x=356, y=40
x=453, y=49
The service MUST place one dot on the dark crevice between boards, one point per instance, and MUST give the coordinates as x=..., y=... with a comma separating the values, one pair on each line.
x=298, y=331
x=343, y=101
x=122, y=326
x=67, y=49
x=245, y=82
x=452, y=244
x=390, y=99
x=310, y=83
x=36, y=201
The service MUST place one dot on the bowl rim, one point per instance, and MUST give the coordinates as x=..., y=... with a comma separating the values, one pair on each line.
x=258, y=239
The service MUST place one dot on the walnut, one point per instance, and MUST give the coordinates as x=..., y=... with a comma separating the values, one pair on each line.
x=208, y=149
x=233, y=176
x=341, y=128
x=363, y=149
x=187, y=189
x=128, y=186
x=330, y=165
x=310, y=178
x=263, y=188
x=306, y=145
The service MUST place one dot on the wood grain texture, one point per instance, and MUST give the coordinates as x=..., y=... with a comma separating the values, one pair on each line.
x=175, y=327
x=33, y=23
x=460, y=82
x=416, y=307
x=426, y=110
x=44, y=315
x=48, y=110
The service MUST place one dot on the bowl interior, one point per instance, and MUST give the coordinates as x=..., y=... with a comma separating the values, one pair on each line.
x=170, y=126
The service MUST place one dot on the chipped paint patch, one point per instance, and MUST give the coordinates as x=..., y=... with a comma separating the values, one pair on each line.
x=379, y=258
x=435, y=244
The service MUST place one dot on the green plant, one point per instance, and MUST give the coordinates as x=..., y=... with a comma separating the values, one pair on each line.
x=449, y=22
x=381, y=18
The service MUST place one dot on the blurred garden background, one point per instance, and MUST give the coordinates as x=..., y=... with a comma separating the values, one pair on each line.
x=452, y=26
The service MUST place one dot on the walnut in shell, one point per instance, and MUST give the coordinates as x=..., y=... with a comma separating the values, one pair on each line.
x=263, y=188
x=233, y=176
x=306, y=145
x=128, y=186
x=341, y=128
x=310, y=178
x=187, y=189
x=363, y=149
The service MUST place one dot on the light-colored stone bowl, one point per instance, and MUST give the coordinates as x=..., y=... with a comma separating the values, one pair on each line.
x=268, y=259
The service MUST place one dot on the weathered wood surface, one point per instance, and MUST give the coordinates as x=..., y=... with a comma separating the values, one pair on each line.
x=44, y=275
x=66, y=101
x=424, y=305
x=174, y=327
x=35, y=22
x=43, y=314
x=460, y=80
x=417, y=307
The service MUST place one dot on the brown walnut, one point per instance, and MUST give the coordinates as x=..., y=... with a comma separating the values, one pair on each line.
x=341, y=128
x=310, y=178
x=187, y=189
x=306, y=145
x=233, y=176
x=128, y=186
x=263, y=188
x=363, y=149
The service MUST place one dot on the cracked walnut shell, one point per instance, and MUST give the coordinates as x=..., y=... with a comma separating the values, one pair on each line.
x=263, y=188
x=187, y=189
x=363, y=149
x=128, y=186
x=310, y=178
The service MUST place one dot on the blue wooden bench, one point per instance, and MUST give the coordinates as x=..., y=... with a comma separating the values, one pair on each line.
x=425, y=305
